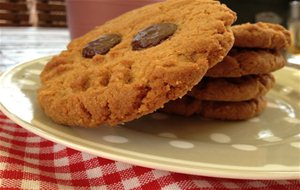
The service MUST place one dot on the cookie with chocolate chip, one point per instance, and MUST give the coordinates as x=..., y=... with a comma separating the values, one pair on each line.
x=134, y=64
x=235, y=111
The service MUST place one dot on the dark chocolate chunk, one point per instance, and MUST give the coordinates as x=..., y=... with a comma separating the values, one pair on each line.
x=153, y=35
x=101, y=45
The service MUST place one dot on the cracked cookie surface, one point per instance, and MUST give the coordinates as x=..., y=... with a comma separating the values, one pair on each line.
x=122, y=83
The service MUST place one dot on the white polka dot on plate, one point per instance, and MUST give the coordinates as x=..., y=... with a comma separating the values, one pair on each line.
x=295, y=144
x=297, y=74
x=181, y=144
x=272, y=139
x=168, y=135
x=159, y=116
x=34, y=71
x=287, y=90
x=115, y=139
x=27, y=82
x=244, y=147
x=292, y=120
x=254, y=120
x=273, y=105
x=220, y=138
x=297, y=136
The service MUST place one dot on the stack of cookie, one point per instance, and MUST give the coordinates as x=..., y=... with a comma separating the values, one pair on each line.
x=234, y=88
x=134, y=65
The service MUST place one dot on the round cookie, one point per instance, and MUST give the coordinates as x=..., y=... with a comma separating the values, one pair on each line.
x=234, y=111
x=261, y=35
x=233, y=89
x=134, y=64
x=240, y=62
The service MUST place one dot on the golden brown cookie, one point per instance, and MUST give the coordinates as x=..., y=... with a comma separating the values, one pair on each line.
x=134, y=64
x=233, y=89
x=261, y=35
x=240, y=62
x=235, y=111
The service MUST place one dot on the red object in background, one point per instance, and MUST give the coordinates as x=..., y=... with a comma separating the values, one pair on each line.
x=84, y=15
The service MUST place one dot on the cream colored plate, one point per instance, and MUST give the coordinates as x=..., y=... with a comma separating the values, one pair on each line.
x=266, y=147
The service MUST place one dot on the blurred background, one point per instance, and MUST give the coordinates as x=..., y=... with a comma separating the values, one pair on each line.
x=48, y=25
x=43, y=13
x=84, y=14
x=275, y=11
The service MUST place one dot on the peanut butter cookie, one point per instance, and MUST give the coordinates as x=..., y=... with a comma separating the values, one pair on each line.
x=134, y=64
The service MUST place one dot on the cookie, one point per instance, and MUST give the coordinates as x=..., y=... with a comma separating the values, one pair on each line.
x=234, y=111
x=261, y=35
x=134, y=64
x=185, y=106
x=240, y=62
x=233, y=89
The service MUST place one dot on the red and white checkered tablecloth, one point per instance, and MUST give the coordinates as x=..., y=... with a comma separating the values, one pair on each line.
x=28, y=161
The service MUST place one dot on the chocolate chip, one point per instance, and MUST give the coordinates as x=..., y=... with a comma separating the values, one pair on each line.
x=101, y=46
x=153, y=35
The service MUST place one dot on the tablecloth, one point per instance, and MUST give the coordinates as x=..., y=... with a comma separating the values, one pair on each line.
x=28, y=161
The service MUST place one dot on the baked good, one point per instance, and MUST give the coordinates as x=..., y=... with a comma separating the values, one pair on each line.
x=261, y=35
x=134, y=64
x=234, y=111
x=233, y=89
x=240, y=62
x=185, y=106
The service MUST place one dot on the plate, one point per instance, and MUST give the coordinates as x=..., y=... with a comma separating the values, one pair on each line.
x=265, y=147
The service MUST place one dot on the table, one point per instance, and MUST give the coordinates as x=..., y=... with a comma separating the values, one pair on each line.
x=28, y=161
x=20, y=44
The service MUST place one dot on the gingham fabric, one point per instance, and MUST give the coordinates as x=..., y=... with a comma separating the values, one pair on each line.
x=28, y=161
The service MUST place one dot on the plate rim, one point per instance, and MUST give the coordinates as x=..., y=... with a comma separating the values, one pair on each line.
x=145, y=162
